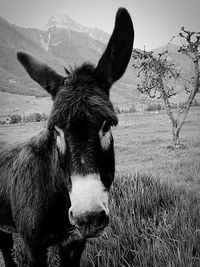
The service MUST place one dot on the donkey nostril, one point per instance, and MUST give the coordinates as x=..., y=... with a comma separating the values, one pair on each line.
x=96, y=219
x=104, y=218
x=71, y=216
x=101, y=219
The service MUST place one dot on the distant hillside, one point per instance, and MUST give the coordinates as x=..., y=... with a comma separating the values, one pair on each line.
x=13, y=77
x=64, y=43
x=66, y=23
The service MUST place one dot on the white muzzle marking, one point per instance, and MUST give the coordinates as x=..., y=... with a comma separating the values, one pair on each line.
x=88, y=194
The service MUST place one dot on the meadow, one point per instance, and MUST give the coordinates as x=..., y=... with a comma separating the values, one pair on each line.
x=155, y=199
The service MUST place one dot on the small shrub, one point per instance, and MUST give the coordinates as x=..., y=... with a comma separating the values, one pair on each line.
x=37, y=117
x=130, y=110
x=45, y=116
x=15, y=118
x=33, y=117
x=154, y=107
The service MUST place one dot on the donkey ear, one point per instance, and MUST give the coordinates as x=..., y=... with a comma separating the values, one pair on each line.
x=41, y=73
x=114, y=61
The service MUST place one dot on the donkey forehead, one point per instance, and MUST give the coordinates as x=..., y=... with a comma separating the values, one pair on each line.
x=81, y=77
x=87, y=113
x=81, y=100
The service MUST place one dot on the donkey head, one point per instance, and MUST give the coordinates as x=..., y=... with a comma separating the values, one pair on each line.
x=81, y=119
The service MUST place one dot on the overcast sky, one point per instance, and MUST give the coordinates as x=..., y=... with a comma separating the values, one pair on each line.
x=155, y=21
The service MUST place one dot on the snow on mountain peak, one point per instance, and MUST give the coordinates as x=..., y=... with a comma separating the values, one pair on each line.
x=65, y=22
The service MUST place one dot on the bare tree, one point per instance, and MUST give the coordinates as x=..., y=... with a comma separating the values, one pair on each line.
x=160, y=78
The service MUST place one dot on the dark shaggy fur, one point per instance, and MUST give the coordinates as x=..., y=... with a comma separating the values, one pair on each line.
x=35, y=176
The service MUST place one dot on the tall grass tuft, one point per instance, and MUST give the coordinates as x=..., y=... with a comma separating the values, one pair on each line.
x=152, y=223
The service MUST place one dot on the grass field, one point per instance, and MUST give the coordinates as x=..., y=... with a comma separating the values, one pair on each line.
x=155, y=199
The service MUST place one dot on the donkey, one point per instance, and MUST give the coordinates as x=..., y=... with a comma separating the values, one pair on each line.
x=54, y=188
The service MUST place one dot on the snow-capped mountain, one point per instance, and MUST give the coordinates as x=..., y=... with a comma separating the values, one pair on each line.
x=63, y=22
x=63, y=43
x=99, y=35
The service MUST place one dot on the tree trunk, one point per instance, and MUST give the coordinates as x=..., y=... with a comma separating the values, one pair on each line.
x=175, y=134
x=174, y=122
x=183, y=112
x=178, y=122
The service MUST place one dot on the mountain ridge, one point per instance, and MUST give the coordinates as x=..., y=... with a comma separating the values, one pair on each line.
x=59, y=47
x=54, y=46
x=65, y=22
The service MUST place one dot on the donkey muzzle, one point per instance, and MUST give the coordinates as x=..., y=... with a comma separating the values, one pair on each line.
x=89, y=203
x=90, y=224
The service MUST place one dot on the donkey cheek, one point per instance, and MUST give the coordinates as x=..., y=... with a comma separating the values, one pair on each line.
x=105, y=139
x=60, y=140
x=61, y=146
